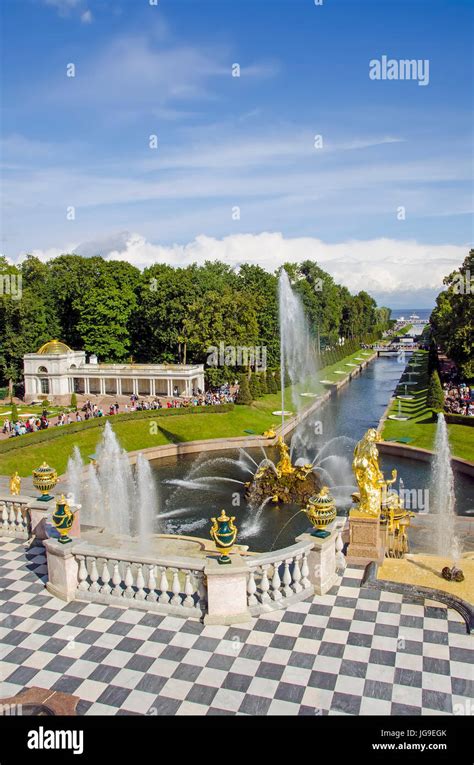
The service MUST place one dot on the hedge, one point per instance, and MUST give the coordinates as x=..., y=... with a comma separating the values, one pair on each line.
x=20, y=442
x=459, y=419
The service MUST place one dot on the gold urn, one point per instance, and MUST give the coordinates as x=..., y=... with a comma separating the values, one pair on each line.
x=321, y=511
x=45, y=479
x=223, y=533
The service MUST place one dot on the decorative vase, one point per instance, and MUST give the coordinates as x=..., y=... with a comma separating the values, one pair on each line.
x=45, y=479
x=223, y=533
x=63, y=518
x=321, y=511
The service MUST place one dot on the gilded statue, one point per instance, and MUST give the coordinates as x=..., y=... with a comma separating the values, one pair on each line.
x=368, y=475
x=15, y=483
x=284, y=466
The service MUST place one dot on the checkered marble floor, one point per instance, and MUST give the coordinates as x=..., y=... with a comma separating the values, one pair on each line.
x=352, y=651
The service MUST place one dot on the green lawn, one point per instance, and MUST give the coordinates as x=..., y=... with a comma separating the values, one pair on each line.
x=421, y=427
x=141, y=434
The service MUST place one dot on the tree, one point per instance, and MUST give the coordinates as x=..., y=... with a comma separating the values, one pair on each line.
x=452, y=320
x=74, y=400
x=243, y=396
x=435, y=395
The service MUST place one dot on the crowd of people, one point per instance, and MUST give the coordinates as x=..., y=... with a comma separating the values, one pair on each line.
x=458, y=398
x=224, y=395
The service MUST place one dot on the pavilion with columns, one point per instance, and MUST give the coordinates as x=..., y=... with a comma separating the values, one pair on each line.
x=55, y=371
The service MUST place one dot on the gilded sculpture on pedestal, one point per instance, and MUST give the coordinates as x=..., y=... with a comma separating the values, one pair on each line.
x=15, y=484
x=375, y=498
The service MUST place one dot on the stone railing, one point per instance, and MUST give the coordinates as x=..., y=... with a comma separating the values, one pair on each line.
x=195, y=587
x=23, y=517
x=277, y=579
x=15, y=520
x=174, y=586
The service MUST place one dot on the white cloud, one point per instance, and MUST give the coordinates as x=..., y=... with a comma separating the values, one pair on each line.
x=86, y=17
x=384, y=267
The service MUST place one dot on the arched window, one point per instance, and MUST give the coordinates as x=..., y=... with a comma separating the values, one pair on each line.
x=42, y=370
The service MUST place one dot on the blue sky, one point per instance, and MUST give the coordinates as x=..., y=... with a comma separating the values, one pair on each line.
x=241, y=142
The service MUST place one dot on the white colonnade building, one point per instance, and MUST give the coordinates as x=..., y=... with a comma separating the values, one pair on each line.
x=55, y=371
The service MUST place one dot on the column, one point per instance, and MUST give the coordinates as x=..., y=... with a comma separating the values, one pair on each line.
x=118, y=386
x=170, y=387
x=102, y=386
x=152, y=387
x=86, y=386
x=135, y=386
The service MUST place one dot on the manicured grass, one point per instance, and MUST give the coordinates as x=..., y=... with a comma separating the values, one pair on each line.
x=144, y=433
x=421, y=427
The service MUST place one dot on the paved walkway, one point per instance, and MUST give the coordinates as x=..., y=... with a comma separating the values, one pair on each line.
x=352, y=651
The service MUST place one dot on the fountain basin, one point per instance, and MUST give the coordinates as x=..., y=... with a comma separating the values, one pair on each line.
x=397, y=417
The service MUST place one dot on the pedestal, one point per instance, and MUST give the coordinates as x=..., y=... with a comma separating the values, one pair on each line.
x=226, y=592
x=40, y=513
x=322, y=560
x=62, y=569
x=366, y=542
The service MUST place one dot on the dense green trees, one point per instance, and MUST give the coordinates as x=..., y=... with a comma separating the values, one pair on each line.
x=167, y=314
x=452, y=320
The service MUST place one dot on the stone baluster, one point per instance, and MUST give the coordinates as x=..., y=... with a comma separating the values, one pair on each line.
x=297, y=576
x=140, y=594
x=82, y=574
x=151, y=584
x=20, y=521
x=175, y=588
x=4, y=516
x=164, y=587
x=275, y=593
x=287, y=579
x=128, y=579
x=251, y=589
x=188, y=591
x=201, y=589
x=12, y=519
x=95, y=586
x=106, y=589
x=264, y=585
x=340, y=557
x=305, y=572
x=117, y=581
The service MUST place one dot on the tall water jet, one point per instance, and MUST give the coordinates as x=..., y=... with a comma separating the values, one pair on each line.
x=74, y=479
x=442, y=497
x=297, y=355
x=147, y=499
x=112, y=495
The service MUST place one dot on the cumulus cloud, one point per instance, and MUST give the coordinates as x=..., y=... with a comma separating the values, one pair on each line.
x=398, y=272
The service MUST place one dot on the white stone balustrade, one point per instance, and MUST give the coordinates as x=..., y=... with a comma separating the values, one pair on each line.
x=277, y=579
x=15, y=519
x=167, y=585
x=195, y=587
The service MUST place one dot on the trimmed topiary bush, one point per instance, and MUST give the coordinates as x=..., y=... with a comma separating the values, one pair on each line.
x=244, y=397
x=435, y=395
x=255, y=389
x=74, y=401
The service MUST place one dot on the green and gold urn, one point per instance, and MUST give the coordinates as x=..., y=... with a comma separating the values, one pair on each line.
x=45, y=479
x=63, y=518
x=321, y=511
x=223, y=533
